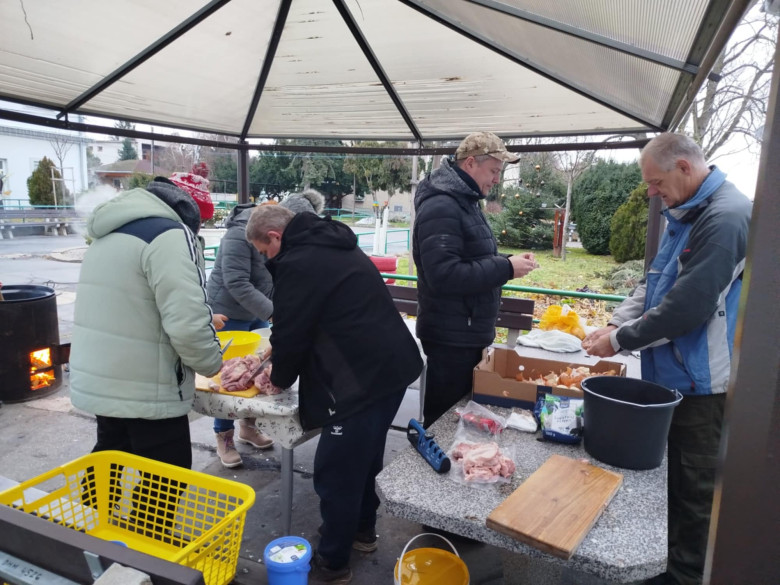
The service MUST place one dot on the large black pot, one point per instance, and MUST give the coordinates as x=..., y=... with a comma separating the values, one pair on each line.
x=627, y=420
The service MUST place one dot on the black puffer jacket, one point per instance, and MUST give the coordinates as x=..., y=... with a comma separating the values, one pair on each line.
x=335, y=325
x=459, y=270
x=240, y=286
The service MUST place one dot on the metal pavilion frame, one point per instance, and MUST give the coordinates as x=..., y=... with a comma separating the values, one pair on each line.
x=745, y=531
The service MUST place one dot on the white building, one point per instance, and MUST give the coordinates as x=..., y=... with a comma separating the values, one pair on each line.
x=22, y=146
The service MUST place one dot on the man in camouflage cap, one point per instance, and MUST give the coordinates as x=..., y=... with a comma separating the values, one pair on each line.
x=478, y=143
x=460, y=272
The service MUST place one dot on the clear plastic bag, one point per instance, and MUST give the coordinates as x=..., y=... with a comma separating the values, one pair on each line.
x=478, y=456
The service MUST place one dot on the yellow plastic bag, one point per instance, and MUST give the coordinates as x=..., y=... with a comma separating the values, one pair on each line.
x=563, y=319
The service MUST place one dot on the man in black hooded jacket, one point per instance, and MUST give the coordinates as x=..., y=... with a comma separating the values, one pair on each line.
x=336, y=330
x=459, y=269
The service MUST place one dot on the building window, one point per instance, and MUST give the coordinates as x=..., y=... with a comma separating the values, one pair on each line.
x=398, y=207
x=3, y=174
x=100, y=149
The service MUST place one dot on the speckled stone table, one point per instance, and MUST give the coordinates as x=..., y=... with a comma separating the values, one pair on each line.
x=627, y=543
x=276, y=416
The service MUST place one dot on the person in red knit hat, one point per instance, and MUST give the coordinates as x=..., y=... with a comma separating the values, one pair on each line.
x=198, y=188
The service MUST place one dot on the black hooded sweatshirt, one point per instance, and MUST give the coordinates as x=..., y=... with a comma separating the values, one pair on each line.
x=335, y=325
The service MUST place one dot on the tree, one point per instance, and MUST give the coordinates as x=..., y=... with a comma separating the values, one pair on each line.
x=178, y=157
x=734, y=104
x=380, y=173
x=571, y=164
x=600, y=191
x=522, y=221
x=60, y=144
x=40, y=188
x=128, y=151
x=139, y=180
x=628, y=228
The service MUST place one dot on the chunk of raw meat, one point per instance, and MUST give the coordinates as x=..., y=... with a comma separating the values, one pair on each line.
x=236, y=373
x=263, y=382
x=482, y=462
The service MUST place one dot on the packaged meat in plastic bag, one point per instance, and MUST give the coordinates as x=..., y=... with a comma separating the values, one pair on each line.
x=480, y=418
x=560, y=418
x=479, y=457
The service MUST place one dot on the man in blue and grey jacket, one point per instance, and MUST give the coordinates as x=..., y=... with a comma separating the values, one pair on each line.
x=682, y=317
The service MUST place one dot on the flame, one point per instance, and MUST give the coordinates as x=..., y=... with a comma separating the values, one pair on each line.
x=40, y=360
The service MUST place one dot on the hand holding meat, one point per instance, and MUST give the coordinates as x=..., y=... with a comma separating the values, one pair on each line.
x=263, y=382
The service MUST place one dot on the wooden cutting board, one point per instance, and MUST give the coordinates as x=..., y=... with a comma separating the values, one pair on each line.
x=555, y=508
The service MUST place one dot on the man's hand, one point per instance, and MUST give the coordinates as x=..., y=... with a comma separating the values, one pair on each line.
x=598, y=342
x=522, y=264
x=218, y=320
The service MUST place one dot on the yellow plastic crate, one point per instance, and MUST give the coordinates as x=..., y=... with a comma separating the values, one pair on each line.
x=182, y=516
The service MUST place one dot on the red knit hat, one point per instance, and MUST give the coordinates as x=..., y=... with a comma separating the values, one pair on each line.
x=198, y=188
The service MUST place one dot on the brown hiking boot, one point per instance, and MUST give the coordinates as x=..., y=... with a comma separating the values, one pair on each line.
x=226, y=449
x=321, y=573
x=248, y=433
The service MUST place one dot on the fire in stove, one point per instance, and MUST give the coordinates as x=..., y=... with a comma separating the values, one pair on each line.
x=41, y=371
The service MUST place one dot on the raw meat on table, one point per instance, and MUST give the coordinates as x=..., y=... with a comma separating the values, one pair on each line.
x=482, y=462
x=263, y=382
x=236, y=373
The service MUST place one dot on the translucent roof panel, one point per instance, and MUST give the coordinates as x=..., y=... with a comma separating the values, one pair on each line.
x=364, y=69
x=51, y=52
x=321, y=83
x=204, y=79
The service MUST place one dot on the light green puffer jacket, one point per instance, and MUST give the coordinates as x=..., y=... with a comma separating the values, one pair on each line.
x=141, y=323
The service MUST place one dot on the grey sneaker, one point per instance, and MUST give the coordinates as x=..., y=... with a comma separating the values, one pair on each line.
x=321, y=573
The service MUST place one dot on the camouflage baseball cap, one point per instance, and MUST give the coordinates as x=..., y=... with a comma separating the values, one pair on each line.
x=478, y=143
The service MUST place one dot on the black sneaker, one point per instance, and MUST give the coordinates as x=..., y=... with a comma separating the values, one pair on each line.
x=365, y=541
x=321, y=573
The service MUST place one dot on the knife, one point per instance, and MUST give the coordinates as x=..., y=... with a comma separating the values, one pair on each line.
x=224, y=347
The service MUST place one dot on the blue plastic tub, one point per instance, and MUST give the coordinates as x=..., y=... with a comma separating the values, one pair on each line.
x=287, y=561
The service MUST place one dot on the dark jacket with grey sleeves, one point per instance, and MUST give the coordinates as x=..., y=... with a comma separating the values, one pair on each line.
x=460, y=272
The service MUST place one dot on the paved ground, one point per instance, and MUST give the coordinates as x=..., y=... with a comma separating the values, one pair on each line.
x=43, y=433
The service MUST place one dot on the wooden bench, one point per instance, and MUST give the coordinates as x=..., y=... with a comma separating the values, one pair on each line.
x=514, y=314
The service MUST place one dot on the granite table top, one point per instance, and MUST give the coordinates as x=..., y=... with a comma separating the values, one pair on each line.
x=627, y=543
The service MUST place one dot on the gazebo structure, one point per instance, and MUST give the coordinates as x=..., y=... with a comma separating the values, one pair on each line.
x=410, y=72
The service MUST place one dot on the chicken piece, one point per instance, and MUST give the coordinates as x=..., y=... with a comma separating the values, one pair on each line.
x=263, y=383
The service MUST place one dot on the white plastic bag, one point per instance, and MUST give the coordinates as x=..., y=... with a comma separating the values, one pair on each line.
x=551, y=340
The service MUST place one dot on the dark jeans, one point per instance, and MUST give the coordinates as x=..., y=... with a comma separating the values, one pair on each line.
x=166, y=440
x=450, y=377
x=694, y=441
x=225, y=424
x=349, y=457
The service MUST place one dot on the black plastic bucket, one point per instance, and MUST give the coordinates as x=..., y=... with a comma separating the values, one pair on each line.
x=627, y=420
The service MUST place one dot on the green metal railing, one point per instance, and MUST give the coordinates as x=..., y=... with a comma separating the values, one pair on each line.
x=532, y=289
x=390, y=231
x=211, y=255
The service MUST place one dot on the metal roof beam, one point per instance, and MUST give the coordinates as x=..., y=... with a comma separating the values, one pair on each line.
x=375, y=65
x=515, y=58
x=584, y=35
x=273, y=44
x=144, y=55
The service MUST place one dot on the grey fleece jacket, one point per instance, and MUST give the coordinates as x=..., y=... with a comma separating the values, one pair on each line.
x=240, y=286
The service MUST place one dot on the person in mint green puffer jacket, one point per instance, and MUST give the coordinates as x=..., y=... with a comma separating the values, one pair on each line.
x=142, y=326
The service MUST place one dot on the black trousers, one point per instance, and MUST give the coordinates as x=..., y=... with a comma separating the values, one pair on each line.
x=450, y=377
x=694, y=441
x=349, y=456
x=166, y=440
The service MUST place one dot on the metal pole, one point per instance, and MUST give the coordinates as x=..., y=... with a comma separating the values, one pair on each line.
x=243, y=173
x=412, y=214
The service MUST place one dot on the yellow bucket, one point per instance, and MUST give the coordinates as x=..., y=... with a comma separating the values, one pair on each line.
x=244, y=343
x=430, y=566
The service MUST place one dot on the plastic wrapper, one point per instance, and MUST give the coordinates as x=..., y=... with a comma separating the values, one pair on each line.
x=563, y=319
x=560, y=418
x=480, y=418
x=478, y=456
x=522, y=420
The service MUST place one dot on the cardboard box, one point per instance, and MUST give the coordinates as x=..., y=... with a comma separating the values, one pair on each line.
x=495, y=377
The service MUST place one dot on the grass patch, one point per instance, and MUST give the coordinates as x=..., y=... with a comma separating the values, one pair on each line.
x=579, y=270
